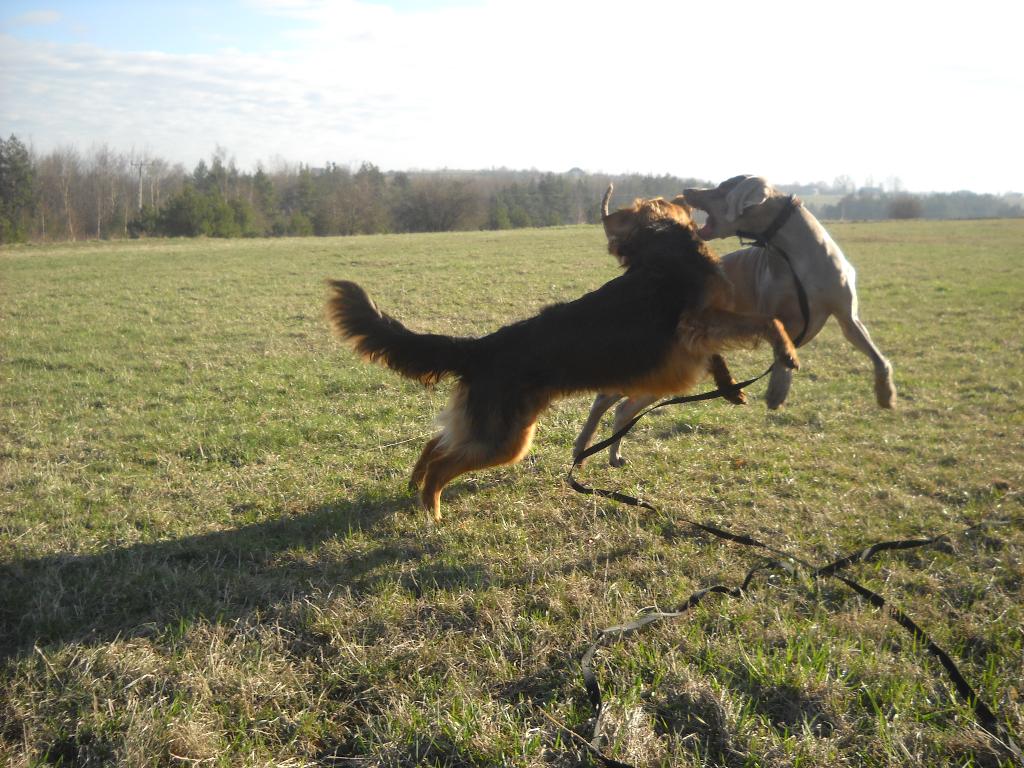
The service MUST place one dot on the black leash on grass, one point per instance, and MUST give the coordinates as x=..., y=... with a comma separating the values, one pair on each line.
x=784, y=561
x=983, y=714
x=792, y=564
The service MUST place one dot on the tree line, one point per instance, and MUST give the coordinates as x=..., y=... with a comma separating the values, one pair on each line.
x=871, y=203
x=69, y=195
x=66, y=194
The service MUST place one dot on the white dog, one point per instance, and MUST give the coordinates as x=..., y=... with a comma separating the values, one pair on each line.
x=793, y=249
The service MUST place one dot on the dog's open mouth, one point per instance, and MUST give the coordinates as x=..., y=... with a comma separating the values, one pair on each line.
x=707, y=231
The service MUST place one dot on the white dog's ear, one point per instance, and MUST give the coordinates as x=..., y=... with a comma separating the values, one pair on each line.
x=753, y=190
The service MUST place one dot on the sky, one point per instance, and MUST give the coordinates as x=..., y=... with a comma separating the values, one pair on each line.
x=924, y=94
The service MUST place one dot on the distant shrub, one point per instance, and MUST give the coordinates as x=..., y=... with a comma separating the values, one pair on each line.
x=905, y=207
x=299, y=225
x=184, y=215
x=146, y=222
x=191, y=213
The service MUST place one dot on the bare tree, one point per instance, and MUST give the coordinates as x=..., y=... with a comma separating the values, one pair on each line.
x=58, y=175
x=69, y=165
x=102, y=172
x=435, y=204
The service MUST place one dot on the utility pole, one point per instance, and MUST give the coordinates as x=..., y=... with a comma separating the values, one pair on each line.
x=140, y=164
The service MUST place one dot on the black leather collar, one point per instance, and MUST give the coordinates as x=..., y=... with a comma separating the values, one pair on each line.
x=764, y=238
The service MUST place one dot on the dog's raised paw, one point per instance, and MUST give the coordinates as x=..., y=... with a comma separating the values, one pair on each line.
x=735, y=396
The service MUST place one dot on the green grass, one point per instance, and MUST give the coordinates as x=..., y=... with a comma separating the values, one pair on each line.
x=208, y=555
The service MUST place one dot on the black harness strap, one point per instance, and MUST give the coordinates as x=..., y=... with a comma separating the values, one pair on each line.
x=801, y=295
x=764, y=240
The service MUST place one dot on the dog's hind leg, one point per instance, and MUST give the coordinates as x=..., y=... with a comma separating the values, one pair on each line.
x=426, y=456
x=623, y=415
x=857, y=334
x=450, y=463
x=439, y=472
x=601, y=404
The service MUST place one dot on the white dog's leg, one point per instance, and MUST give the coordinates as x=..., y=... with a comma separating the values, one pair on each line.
x=857, y=334
x=778, y=386
x=601, y=404
x=627, y=410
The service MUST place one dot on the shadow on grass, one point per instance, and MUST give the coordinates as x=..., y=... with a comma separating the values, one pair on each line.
x=786, y=708
x=219, y=576
x=148, y=589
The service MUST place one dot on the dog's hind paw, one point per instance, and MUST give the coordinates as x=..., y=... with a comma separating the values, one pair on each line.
x=577, y=449
x=778, y=387
x=885, y=390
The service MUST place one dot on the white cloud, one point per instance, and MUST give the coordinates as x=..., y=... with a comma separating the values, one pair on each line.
x=36, y=19
x=801, y=92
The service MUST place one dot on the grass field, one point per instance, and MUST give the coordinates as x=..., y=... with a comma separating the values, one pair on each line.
x=208, y=555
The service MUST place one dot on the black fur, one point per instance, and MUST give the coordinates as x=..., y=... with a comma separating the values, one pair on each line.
x=626, y=326
x=426, y=357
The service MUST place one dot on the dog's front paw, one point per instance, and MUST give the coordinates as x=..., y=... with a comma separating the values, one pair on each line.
x=790, y=360
x=735, y=396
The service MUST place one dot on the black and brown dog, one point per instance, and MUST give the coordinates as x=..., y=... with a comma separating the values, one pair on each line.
x=650, y=331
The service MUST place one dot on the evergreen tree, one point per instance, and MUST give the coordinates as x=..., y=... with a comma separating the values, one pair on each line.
x=17, y=190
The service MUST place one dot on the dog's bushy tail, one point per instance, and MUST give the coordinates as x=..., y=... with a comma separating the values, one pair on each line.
x=380, y=338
